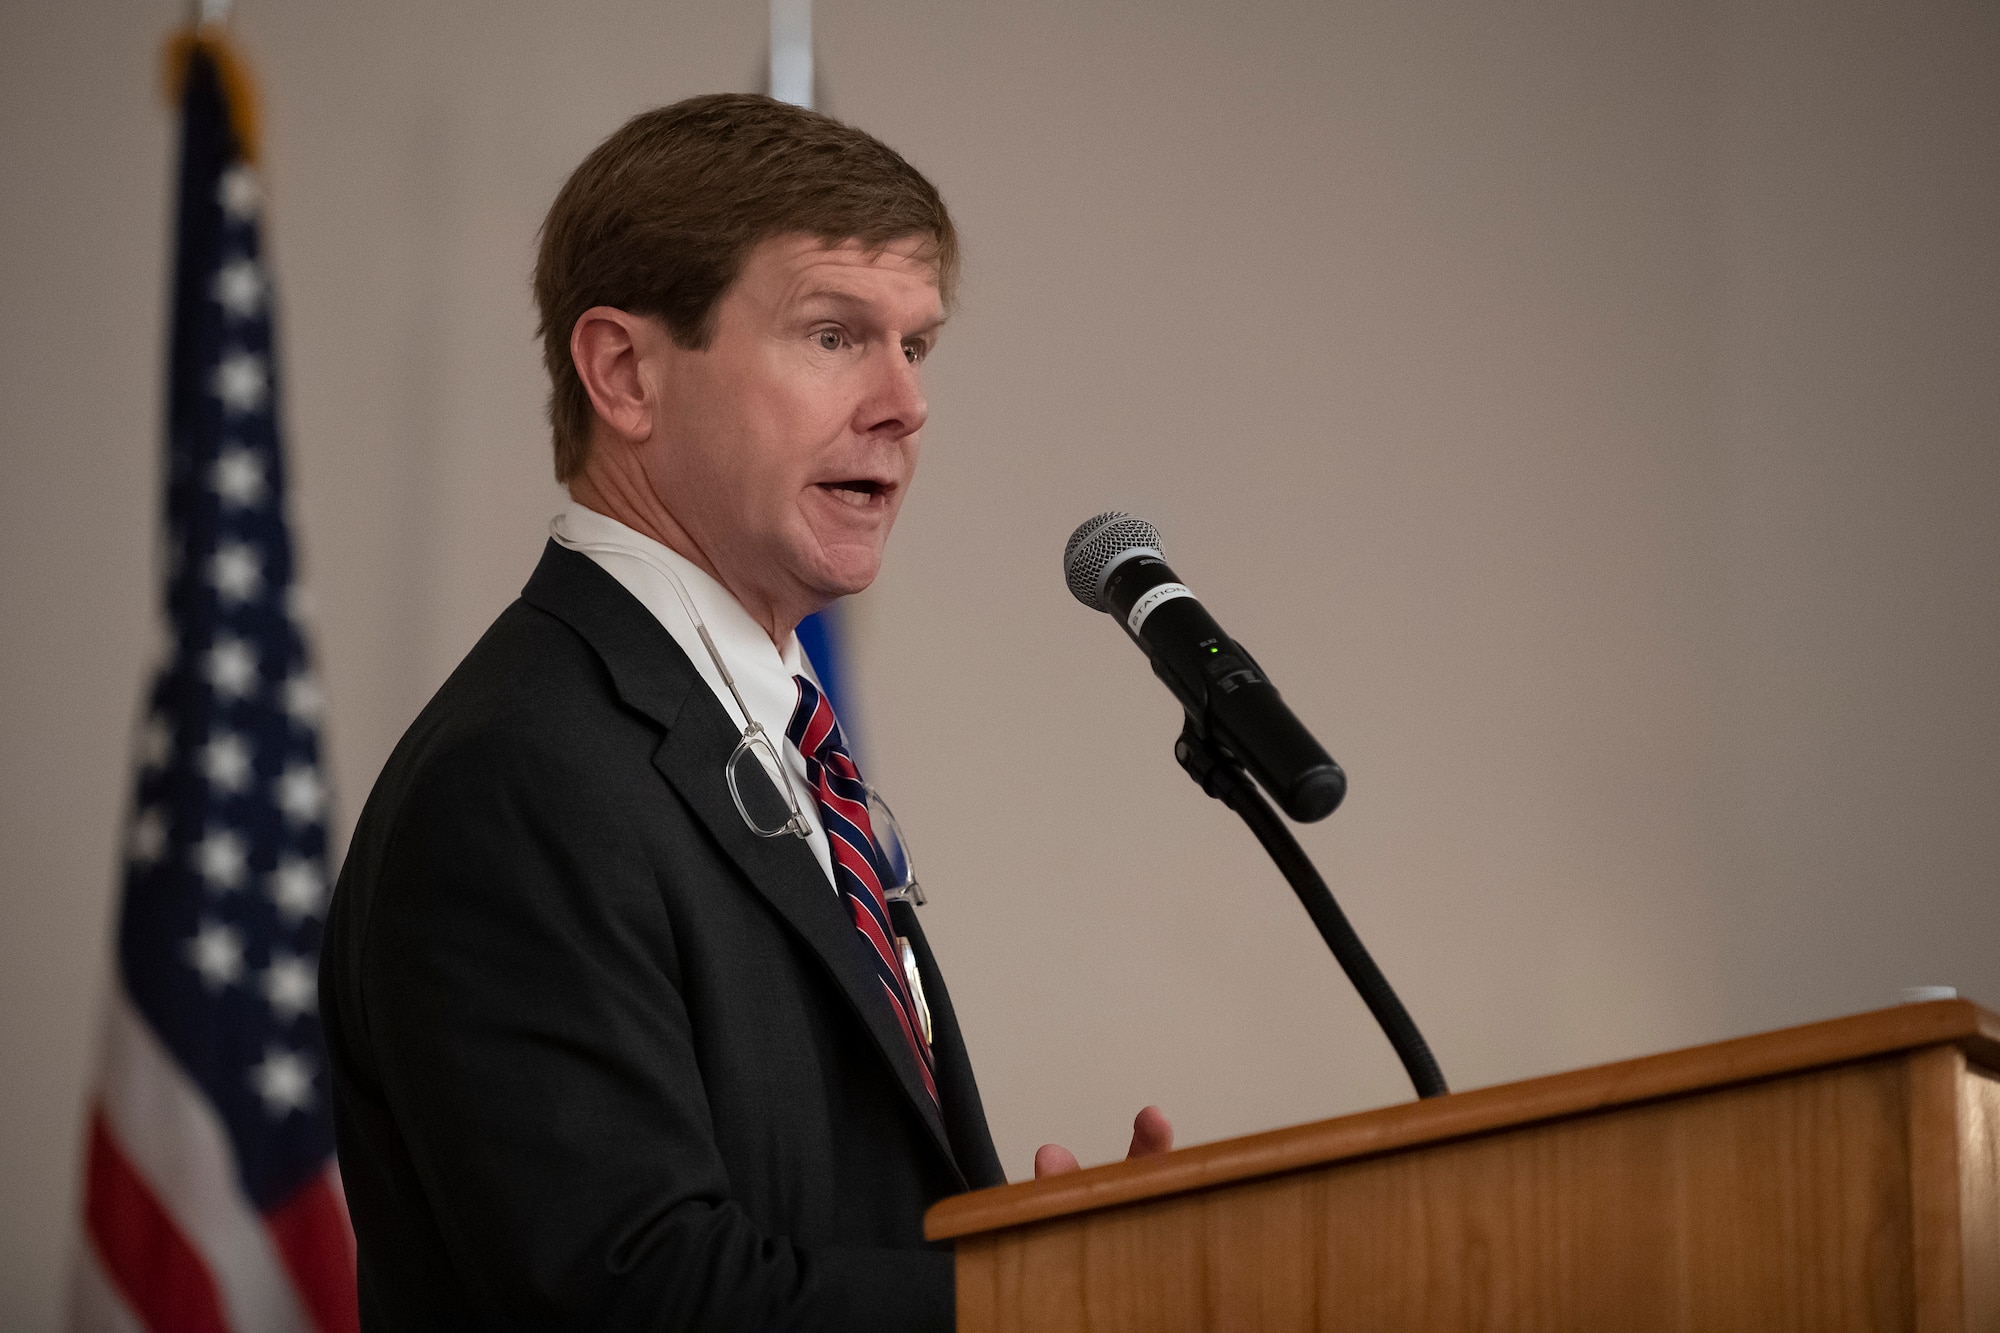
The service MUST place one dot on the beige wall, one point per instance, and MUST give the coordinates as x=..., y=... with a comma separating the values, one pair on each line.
x=1587, y=412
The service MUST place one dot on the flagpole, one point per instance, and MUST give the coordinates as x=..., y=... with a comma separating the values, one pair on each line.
x=792, y=51
x=792, y=81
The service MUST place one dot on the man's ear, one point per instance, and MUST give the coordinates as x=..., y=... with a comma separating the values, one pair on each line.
x=608, y=346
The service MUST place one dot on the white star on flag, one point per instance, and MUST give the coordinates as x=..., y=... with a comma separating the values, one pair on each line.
x=302, y=698
x=291, y=986
x=236, y=572
x=221, y=859
x=239, y=287
x=301, y=795
x=242, y=381
x=239, y=193
x=239, y=478
x=216, y=951
x=226, y=761
x=284, y=1081
x=148, y=838
x=232, y=668
x=297, y=889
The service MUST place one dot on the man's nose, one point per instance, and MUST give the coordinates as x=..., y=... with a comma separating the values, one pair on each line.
x=894, y=406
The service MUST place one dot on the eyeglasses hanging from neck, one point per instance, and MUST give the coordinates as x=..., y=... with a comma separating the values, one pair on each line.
x=755, y=747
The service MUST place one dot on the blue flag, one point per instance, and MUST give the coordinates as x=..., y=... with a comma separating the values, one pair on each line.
x=820, y=637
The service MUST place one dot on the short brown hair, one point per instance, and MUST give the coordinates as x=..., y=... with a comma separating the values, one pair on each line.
x=658, y=220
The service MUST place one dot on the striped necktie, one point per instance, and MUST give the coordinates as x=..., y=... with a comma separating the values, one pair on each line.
x=858, y=864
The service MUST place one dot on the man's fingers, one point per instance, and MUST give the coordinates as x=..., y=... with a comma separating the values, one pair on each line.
x=1152, y=1134
x=1052, y=1159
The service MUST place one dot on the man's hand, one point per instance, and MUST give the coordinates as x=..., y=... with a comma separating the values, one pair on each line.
x=1152, y=1135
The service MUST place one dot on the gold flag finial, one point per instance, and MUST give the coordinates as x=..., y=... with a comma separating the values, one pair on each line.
x=207, y=34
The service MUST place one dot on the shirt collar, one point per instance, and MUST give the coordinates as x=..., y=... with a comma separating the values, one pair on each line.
x=763, y=671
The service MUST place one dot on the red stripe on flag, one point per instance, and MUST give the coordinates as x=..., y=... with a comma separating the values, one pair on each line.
x=311, y=1232
x=162, y=1277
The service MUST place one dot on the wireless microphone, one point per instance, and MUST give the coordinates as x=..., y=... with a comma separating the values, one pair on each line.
x=1113, y=564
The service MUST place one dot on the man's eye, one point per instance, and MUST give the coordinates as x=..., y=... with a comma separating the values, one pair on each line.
x=914, y=353
x=830, y=339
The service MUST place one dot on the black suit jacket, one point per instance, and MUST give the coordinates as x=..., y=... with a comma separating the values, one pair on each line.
x=603, y=1058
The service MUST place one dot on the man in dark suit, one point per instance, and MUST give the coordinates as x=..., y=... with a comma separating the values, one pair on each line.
x=626, y=1029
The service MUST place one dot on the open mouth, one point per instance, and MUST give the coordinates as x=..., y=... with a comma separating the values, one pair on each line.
x=858, y=491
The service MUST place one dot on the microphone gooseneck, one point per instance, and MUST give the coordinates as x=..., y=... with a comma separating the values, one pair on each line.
x=1237, y=728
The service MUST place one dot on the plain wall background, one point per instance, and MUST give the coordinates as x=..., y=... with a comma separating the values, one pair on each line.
x=1588, y=413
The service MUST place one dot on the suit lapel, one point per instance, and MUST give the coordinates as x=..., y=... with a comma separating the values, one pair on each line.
x=786, y=873
x=652, y=674
x=964, y=1113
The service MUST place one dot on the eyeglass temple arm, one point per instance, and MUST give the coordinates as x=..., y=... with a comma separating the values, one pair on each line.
x=797, y=823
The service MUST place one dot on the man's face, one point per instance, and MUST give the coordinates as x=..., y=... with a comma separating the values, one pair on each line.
x=783, y=449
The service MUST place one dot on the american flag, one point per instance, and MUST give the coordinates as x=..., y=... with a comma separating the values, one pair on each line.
x=211, y=1198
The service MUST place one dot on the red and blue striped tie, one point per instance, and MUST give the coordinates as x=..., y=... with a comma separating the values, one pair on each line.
x=858, y=864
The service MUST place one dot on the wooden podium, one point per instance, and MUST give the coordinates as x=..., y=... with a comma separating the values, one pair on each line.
x=1843, y=1175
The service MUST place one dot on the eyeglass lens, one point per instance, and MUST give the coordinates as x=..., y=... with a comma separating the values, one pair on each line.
x=895, y=850
x=763, y=807
x=751, y=786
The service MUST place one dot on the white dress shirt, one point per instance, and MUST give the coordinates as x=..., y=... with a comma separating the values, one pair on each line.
x=762, y=671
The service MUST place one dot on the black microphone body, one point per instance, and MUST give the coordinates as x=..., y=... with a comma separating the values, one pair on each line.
x=1226, y=694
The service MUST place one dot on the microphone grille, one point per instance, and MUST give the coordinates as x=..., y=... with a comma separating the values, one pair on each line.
x=1095, y=544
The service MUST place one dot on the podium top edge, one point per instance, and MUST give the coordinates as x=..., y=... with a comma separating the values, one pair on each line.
x=1878, y=1033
